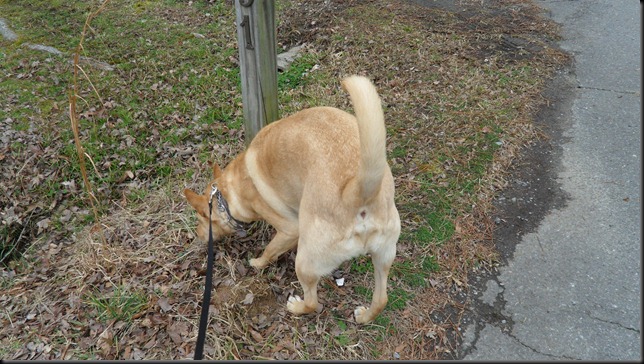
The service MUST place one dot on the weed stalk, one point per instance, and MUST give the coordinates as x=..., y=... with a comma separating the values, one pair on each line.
x=73, y=113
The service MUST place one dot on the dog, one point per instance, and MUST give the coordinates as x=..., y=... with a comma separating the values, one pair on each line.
x=321, y=178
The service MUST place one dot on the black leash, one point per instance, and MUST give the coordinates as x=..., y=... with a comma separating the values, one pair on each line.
x=203, y=321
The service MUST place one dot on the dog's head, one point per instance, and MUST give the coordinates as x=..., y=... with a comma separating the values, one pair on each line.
x=199, y=202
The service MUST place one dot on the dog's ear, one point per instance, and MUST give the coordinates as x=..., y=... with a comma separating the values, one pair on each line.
x=216, y=171
x=197, y=201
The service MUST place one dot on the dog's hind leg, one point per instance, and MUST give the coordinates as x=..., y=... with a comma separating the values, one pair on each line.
x=382, y=259
x=281, y=243
x=308, y=275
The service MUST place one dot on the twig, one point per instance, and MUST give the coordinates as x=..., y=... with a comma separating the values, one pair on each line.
x=90, y=83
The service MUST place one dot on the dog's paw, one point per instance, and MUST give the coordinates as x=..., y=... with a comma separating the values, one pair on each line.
x=361, y=315
x=295, y=305
x=258, y=263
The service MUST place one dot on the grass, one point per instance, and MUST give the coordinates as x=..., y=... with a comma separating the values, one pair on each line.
x=457, y=114
x=120, y=305
x=295, y=75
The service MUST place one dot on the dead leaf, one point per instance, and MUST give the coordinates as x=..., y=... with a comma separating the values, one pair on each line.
x=249, y=299
x=164, y=304
x=400, y=347
x=138, y=354
x=241, y=268
x=174, y=335
x=105, y=341
x=177, y=330
x=126, y=175
x=66, y=215
x=127, y=352
x=150, y=344
x=256, y=335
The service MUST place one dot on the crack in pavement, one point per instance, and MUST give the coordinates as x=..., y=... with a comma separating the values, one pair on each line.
x=614, y=323
x=539, y=352
x=490, y=313
x=608, y=90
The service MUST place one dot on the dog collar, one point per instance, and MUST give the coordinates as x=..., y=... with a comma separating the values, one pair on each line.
x=222, y=207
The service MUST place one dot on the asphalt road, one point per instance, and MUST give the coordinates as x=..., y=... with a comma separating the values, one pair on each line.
x=571, y=289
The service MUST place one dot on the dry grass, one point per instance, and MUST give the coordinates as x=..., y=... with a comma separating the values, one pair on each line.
x=458, y=97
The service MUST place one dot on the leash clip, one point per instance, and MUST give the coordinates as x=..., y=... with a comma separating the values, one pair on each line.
x=213, y=192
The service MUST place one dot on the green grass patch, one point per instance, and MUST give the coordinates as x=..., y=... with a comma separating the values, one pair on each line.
x=413, y=274
x=295, y=75
x=174, y=83
x=363, y=291
x=430, y=264
x=362, y=265
x=398, y=299
x=121, y=305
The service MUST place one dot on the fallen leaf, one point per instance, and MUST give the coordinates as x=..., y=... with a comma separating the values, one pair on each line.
x=126, y=175
x=249, y=299
x=164, y=304
x=150, y=344
x=127, y=352
x=174, y=335
x=400, y=347
x=65, y=216
x=256, y=335
x=138, y=354
x=105, y=341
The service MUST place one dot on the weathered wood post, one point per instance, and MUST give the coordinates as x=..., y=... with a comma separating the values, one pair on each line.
x=258, y=63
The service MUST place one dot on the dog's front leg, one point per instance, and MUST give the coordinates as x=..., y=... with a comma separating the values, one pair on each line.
x=281, y=243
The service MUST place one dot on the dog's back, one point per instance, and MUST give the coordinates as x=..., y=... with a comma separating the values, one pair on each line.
x=340, y=155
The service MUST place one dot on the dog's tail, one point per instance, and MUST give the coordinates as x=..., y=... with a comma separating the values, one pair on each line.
x=371, y=126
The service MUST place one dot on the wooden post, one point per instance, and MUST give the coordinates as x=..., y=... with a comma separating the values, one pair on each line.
x=258, y=63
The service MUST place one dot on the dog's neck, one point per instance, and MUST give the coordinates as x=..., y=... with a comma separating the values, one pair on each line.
x=234, y=186
x=221, y=204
